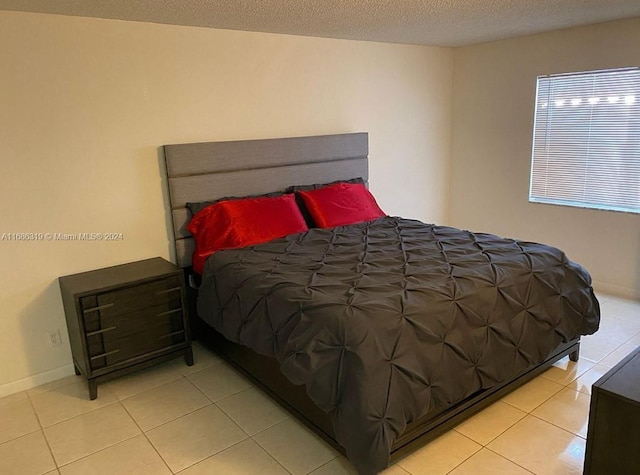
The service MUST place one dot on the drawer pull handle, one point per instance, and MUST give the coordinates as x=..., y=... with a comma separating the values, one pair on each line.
x=162, y=292
x=104, y=330
x=169, y=335
x=99, y=307
x=104, y=354
x=169, y=312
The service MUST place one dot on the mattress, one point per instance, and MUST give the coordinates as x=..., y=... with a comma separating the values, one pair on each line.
x=388, y=320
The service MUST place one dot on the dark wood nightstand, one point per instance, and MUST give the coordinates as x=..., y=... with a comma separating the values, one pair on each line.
x=124, y=318
x=613, y=437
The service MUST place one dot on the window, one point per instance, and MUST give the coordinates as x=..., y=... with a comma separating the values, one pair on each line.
x=586, y=140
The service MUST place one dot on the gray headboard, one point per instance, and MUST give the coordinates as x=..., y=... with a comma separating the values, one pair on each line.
x=212, y=170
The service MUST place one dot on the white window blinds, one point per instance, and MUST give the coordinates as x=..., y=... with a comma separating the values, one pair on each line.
x=586, y=140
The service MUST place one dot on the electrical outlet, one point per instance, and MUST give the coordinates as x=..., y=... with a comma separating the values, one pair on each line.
x=55, y=338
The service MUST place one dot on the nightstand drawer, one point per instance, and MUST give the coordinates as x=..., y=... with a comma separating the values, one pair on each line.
x=114, y=328
x=135, y=334
x=97, y=321
x=119, y=302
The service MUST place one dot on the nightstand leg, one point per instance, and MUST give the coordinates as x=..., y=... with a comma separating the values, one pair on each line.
x=93, y=389
x=188, y=356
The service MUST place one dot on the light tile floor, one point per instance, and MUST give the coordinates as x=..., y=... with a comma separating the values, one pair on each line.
x=207, y=419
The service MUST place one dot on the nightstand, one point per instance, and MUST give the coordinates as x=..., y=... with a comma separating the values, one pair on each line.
x=124, y=318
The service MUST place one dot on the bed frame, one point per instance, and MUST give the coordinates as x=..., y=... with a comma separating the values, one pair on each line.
x=212, y=170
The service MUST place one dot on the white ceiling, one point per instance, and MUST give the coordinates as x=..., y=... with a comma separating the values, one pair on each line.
x=425, y=22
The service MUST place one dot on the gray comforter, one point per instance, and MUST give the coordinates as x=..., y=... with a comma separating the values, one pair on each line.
x=387, y=320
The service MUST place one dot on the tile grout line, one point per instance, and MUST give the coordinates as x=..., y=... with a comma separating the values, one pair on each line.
x=226, y=397
x=206, y=458
x=97, y=451
x=103, y=448
x=27, y=433
x=211, y=403
x=467, y=458
x=573, y=434
x=72, y=417
x=144, y=434
x=257, y=442
x=536, y=407
x=319, y=467
x=171, y=420
x=494, y=438
x=272, y=457
x=512, y=461
x=44, y=436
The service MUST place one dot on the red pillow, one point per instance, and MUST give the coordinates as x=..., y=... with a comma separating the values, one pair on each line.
x=341, y=204
x=243, y=222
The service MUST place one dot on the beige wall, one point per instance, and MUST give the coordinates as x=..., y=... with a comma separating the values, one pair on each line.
x=85, y=104
x=493, y=108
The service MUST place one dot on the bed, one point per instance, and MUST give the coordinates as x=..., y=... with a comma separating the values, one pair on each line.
x=379, y=335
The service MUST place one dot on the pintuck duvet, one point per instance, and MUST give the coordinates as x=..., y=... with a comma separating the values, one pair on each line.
x=388, y=320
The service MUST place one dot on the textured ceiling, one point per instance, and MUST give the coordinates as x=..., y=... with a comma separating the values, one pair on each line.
x=426, y=22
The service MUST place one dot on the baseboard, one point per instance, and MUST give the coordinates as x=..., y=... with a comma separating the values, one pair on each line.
x=616, y=290
x=36, y=380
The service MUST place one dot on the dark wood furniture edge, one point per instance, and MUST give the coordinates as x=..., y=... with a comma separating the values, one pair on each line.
x=598, y=392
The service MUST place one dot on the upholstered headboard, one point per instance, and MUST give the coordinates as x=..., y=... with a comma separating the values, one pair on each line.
x=212, y=170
